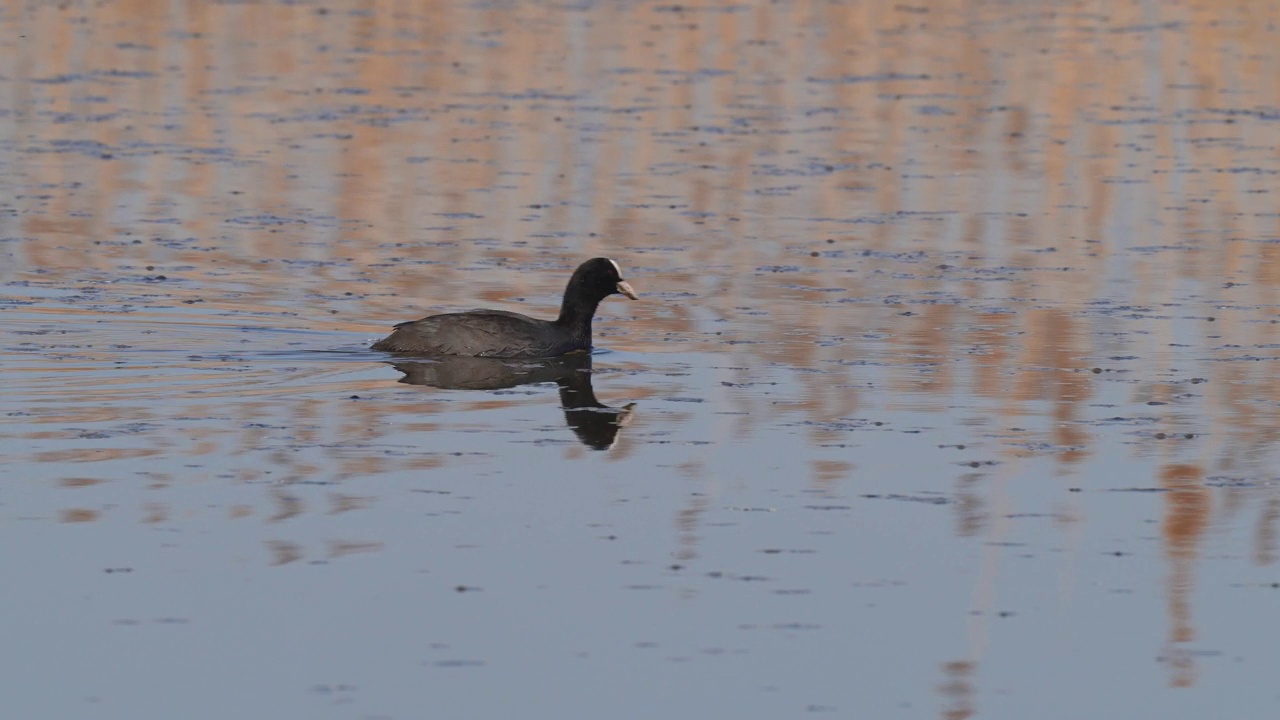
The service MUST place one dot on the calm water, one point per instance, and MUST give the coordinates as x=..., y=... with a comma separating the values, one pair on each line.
x=950, y=394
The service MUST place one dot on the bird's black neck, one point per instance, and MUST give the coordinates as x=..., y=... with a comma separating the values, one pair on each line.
x=576, y=314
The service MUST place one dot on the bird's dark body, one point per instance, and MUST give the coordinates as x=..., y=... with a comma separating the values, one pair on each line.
x=501, y=334
x=481, y=333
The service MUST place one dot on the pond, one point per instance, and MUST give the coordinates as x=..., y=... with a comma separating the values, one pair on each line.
x=949, y=392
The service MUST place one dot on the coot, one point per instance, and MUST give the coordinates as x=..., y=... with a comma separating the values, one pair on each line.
x=501, y=334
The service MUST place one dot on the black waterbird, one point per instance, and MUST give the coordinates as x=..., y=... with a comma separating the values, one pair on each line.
x=502, y=334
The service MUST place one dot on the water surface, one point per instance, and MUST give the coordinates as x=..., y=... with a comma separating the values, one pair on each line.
x=950, y=393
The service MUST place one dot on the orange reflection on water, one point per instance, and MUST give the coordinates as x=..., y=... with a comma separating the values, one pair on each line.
x=1188, y=507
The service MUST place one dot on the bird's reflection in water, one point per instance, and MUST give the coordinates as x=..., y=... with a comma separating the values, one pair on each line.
x=595, y=423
